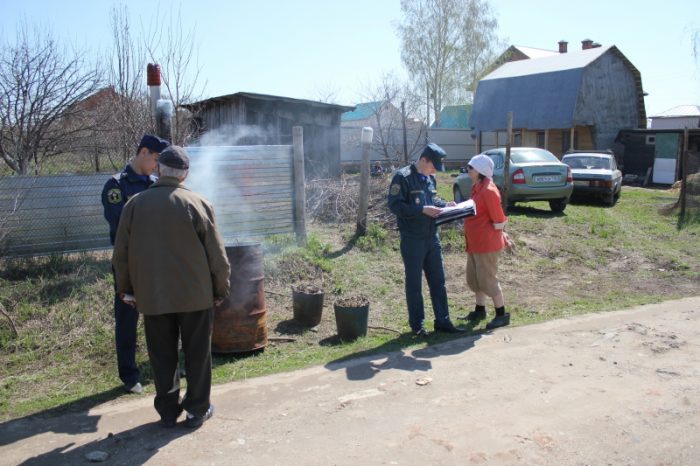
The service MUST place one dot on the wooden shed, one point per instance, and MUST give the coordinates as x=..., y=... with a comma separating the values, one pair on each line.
x=245, y=118
x=574, y=100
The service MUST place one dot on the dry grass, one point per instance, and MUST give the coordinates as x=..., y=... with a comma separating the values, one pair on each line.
x=592, y=258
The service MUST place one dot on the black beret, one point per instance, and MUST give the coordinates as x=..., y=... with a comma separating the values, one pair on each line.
x=153, y=143
x=175, y=157
x=435, y=153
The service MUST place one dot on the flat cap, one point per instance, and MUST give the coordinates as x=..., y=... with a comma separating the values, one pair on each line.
x=435, y=154
x=153, y=143
x=175, y=157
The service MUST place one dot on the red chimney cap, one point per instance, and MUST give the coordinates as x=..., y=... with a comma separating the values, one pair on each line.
x=153, y=74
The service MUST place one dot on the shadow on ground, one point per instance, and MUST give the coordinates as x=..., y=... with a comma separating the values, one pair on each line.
x=529, y=211
x=53, y=419
x=130, y=447
x=366, y=364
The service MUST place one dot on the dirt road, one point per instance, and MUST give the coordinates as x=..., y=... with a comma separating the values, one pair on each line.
x=614, y=388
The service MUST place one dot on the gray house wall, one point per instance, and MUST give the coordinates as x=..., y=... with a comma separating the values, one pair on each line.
x=607, y=100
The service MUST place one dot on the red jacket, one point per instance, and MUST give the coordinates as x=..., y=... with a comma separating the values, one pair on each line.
x=480, y=234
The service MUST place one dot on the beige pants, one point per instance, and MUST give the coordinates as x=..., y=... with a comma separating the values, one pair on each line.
x=481, y=273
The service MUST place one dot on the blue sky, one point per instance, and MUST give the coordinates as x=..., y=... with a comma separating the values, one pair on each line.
x=308, y=48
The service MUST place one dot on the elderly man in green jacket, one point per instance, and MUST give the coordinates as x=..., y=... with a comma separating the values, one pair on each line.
x=170, y=259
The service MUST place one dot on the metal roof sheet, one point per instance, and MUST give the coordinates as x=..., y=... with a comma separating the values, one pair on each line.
x=548, y=64
x=533, y=52
x=454, y=117
x=679, y=111
x=362, y=111
x=543, y=100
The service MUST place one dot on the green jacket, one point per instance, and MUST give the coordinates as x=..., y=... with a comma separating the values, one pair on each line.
x=168, y=252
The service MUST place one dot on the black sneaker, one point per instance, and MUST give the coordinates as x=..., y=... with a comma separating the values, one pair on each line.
x=448, y=327
x=170, y=422
x=421, y=333
x=476, y=316
x=193, y=421
x=499, y=321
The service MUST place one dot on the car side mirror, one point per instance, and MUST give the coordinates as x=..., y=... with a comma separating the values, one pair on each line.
x=462, y=170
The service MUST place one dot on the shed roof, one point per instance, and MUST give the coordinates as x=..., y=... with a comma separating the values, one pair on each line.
x=269, y=98
x=679, y=111
x=454, y=117
x=362, y=111
x=541, y=92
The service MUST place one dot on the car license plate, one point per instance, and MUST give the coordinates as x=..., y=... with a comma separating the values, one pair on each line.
x=546, y=179
x=580, y=183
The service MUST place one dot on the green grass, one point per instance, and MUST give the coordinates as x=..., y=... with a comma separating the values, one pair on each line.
x=590, y=259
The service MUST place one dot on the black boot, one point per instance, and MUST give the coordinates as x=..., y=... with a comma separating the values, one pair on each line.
x=479, y=313
x=501, y=320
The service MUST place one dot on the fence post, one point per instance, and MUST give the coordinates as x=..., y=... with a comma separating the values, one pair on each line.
x=684, y=174
x=299, y=185
x=366, y=139
x=506, y=163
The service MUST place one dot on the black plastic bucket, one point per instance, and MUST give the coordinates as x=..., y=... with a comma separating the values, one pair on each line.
x=308, y=307
x=351, y=320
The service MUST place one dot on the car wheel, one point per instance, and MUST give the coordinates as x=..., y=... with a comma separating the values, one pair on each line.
x=611, y=199
x=558, y=205
x=457, y=194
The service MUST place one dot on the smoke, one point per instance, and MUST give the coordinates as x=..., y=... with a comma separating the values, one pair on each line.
x=238, y=135
x=215, y=173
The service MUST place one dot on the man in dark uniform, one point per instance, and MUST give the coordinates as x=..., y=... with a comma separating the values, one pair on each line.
x=413, y=199
x=136, y=177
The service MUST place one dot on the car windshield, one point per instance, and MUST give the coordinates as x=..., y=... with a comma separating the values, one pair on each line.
x=532, y=155
x=588, y=162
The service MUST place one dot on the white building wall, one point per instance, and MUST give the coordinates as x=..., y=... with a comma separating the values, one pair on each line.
x=679, y=122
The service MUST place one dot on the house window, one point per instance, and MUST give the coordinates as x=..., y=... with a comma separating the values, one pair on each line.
x=651, y=139
x=540, y=139
x=517, y=139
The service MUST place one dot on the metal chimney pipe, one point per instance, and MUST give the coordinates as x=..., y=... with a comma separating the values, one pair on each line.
x=153, y=81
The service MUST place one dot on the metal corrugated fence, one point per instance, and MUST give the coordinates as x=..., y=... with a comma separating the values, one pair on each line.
x=251, y=188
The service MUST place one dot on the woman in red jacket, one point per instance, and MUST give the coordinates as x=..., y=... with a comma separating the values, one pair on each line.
x=485, y=239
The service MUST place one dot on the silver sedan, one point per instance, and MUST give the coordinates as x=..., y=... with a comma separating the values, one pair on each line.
x=535, y=175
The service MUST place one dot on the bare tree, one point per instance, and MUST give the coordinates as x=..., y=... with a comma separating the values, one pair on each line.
x=126, y=113
x=388, y=120
x=41, y=87
x=480, y=43
x=175, y=49
x=445, y=44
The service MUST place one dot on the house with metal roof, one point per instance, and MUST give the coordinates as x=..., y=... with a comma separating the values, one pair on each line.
x=565, y=100
x=682, y=116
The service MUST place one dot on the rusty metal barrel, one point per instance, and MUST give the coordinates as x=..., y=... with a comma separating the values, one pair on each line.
x=240, y=321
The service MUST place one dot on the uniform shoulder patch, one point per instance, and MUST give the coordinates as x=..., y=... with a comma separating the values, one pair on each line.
x=114, y=196
x=395, y=189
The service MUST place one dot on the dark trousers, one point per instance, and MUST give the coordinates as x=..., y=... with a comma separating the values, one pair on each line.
x=424, y=256
x=162, y=333
x=126, y=319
